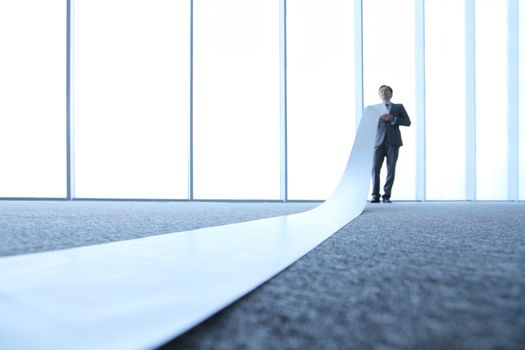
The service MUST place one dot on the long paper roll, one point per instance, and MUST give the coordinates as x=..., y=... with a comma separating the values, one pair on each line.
x=139, y=294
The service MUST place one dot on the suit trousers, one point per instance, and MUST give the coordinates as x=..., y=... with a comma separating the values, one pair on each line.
x=391, y=153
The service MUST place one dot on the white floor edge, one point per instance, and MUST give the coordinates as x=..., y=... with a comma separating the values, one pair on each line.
x=140, y=293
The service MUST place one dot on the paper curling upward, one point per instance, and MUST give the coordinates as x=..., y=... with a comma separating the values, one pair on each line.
x=141, y=293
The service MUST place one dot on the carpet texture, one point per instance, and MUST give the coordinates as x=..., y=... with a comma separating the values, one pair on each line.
x=400, y=276
x=36, y=226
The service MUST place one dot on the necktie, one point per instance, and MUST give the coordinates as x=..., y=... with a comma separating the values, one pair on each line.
x=387, y=106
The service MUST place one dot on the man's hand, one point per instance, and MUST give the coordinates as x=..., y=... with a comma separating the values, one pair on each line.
x=387, y=117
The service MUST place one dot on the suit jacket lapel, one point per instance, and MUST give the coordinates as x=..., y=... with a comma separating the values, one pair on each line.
x=392, y=107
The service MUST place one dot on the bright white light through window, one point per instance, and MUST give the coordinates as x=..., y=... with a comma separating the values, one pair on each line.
x=491, y=99
x=321, y=95
x=131, y=98
x=236, y=99
x=445, y=99
x=33, y=98
x=389, y=58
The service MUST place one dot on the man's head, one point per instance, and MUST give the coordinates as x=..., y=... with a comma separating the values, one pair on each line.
x=385, y=93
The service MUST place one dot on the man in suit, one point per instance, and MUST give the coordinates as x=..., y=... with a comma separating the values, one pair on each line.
x=388, y=141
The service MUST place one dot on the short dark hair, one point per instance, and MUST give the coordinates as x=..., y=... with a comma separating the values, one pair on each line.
x=388, y=87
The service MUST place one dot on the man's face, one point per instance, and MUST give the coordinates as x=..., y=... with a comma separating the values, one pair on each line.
x=385, y=94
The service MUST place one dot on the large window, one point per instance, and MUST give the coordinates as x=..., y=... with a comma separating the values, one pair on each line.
x=321, y=95
x=236, y=99
x=389, y=58
x=131, y=98
x=240, y=100
x=491, y=98
x=445, y=99
x=33, y=98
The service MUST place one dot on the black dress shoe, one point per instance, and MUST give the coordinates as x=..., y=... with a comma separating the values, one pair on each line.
x=374, y=200
x=386, y=200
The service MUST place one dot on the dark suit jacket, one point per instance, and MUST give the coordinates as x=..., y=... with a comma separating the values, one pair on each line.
x=390, y=130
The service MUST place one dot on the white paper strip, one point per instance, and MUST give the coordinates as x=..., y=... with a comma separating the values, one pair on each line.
x=141, y=293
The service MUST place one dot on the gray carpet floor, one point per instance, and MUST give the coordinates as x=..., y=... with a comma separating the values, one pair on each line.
x=400, y=276
x=36, y=226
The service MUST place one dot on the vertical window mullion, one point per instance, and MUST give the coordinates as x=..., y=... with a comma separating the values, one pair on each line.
x=513, y=98
x=283, y=103
x=420, y=101
x=471, y=100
